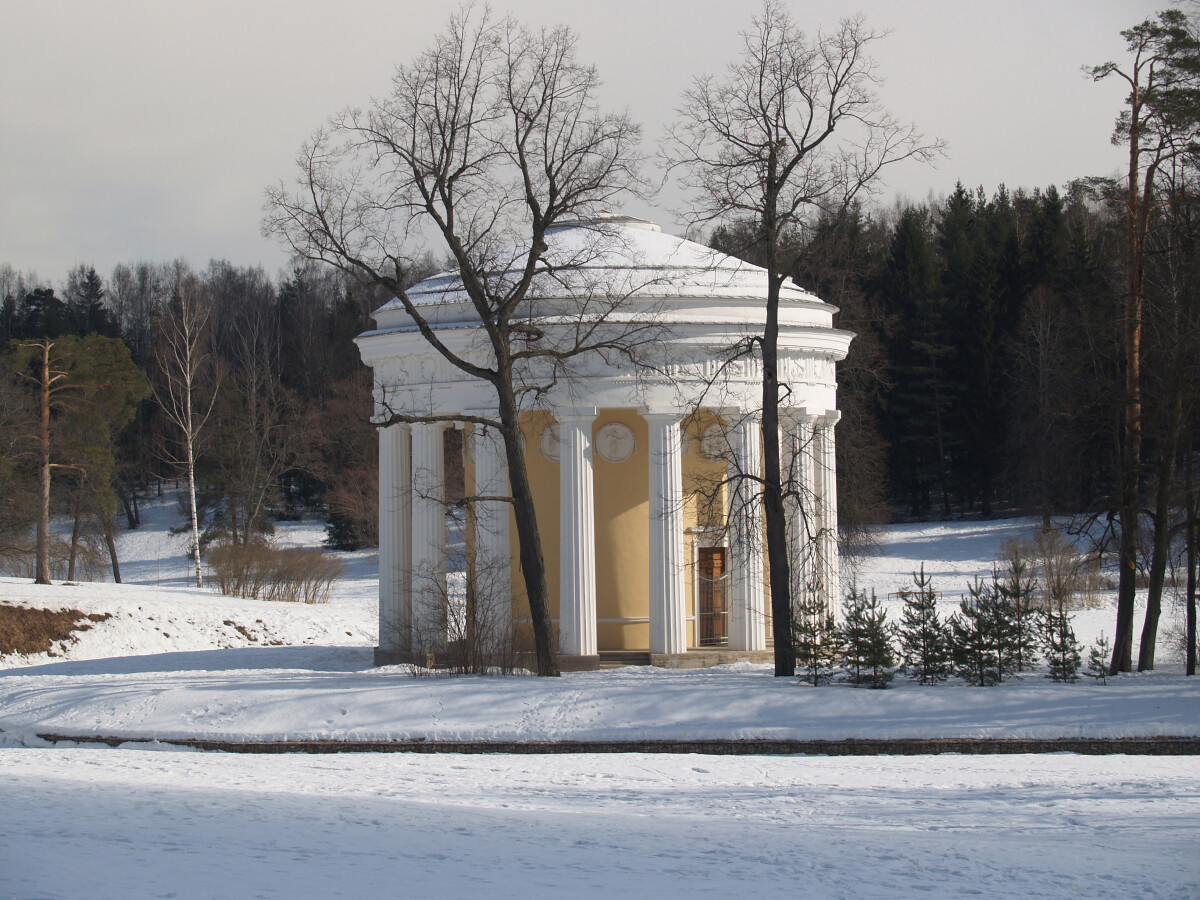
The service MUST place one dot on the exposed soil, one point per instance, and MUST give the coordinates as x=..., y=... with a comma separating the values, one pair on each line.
x=26, y=630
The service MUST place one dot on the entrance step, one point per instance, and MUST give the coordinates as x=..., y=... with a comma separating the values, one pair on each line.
x=613, y=659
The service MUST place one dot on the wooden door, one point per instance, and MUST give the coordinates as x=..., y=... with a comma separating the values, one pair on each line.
x=711, y=613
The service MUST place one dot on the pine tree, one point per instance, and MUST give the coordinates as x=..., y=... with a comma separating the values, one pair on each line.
x=816, y=638
x=1061, y=648
x=853, y=631
x=980, y=635
x=1017, y=589
x=1098, y=657
x=923, y=639
x=867, y=638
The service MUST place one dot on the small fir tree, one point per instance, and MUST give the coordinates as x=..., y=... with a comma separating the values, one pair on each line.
x=981, y=634
x=1098, y=657
x=1018, y=588
x=816, y=639
x=1060, y=646
x=924, y=643
x=867, y=639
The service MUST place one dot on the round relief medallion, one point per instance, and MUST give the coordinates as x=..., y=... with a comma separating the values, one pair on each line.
x=713, y=443
x=549, y=444
x=615, y=442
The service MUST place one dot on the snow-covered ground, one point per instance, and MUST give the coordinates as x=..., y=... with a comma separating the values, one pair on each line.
x=175, y=661
x=104, y=824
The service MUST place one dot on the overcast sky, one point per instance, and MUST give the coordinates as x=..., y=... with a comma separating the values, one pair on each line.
x=148, y=129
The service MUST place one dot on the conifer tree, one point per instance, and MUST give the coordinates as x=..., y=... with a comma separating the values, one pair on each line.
x=981, y=632
x=1061, y=648
x=1098, y=657
x=1017, y=589
x=867, y=639
x=817, y=641
x=923, y=638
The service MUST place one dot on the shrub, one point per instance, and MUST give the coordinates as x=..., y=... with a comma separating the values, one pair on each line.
x=1069, y=578
x=264, y=572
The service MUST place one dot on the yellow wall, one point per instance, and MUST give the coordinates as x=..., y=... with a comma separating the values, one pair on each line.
x=622, y=492
x=543, y=481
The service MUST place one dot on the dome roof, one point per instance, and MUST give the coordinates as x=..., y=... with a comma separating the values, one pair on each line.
x=619, y=256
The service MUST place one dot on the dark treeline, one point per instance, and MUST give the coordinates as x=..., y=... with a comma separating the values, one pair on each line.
x=985, y=377
x=289, y=401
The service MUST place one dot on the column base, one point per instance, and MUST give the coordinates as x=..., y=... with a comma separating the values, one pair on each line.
x=578, y=663
x=703, y=659
x=392, y=657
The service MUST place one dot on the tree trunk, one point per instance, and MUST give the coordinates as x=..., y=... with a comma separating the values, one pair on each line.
x=110, y=538
x=127, y=506
x=191, y=471
x=774, y=513
x=75, y=529
x=1131, y=455
x=42, y=575
x=1162, y=538
x=1192, y=560
x=533, y=565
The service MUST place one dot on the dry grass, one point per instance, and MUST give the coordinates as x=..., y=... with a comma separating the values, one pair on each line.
x=264, y=572
x=27, y=631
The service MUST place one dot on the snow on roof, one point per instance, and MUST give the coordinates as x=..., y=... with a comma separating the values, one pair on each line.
x=616, y=256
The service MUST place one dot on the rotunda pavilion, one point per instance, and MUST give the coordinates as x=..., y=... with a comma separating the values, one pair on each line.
x=642, y=464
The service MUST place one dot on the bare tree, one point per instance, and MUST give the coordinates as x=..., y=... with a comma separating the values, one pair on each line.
x=793, y=130
x=187, y=372
x=486, y=142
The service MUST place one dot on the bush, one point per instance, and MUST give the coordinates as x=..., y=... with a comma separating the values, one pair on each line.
x=264, y=572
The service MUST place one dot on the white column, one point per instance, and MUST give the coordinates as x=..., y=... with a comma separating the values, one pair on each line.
x=668, y=612
x=747, y=619
x=395, y=543
x=493, y=588
x=577, y=534
x=429, y=600
x=802, y=523
x=826, y=478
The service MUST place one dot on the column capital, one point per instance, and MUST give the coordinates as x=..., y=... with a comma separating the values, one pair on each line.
x=831, y=418
x=799, y=415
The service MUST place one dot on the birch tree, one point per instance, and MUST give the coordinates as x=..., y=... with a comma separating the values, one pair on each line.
x=187, y=387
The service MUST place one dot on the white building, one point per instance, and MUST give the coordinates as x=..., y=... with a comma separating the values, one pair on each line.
x=651, y=535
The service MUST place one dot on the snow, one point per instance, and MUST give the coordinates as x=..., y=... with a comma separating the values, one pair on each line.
x=133, y=821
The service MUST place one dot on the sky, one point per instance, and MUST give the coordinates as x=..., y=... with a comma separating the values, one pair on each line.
x=149, y=129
